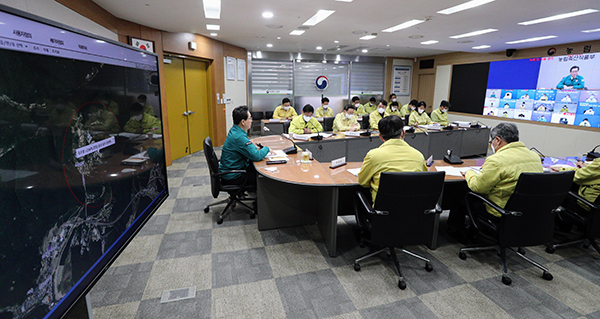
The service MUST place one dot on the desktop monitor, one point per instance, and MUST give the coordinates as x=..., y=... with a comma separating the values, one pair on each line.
x=75, y=186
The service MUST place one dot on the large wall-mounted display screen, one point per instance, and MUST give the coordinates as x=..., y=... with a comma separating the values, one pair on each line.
x=561, y=89
x=82, y=165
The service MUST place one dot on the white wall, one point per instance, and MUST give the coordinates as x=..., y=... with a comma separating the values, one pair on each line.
x=443, y=75
x=550, y=140
x=401, y=99
x=53, y=10
x=236, y=91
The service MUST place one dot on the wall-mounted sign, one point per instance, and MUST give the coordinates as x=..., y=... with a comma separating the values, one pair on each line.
x=321, y=82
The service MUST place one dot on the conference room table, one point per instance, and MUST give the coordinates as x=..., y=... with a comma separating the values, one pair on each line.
x=296, y=193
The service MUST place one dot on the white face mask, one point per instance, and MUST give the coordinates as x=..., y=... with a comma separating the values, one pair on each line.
x=325, y=106
x=412, y=108
x=421, y=111
x=357, y=105
x=493, y=148
x=349, y=116
x=370, y=103
x=442, y=110
x=286, y=108
x=380, y=110
x=138, y=117
x=306, y=118
x=394, y=109
x=394, y=100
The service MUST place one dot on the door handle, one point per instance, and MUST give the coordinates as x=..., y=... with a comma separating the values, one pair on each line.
x=186, y=113
x=190, y=112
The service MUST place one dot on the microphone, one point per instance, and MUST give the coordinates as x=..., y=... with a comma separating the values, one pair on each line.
x=290, y=150
x=592, y=154
x=318, y=137
x=542, y=156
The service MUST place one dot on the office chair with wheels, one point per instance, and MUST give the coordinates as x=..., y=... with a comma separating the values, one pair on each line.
x=256, y=120
x=364, y=124
x=527, y=219
x=587, y=221
x=236, y=192
x=400, y=218
x=328, y=124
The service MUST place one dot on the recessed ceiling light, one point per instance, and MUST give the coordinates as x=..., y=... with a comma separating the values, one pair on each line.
x=387, y=45
x=474, y=33
x=269, y=45
x=365, y=50
x=404, y=25
x=336, y=41
x=267, y=14
x=532, y=39
x=559, y=16
x=464, y=6
x=430, y=42
x=213, y=34
x=589, y=31
x=319, y=48
x=479, y=47
x=212, y=9
x=318, y=17
x=100, y=41
x=344, y=0
x=297, y=32
x=214, y=27
x=368, y=37
x=278, y=38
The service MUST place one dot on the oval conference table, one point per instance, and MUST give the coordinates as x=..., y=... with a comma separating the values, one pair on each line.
x=295, y=193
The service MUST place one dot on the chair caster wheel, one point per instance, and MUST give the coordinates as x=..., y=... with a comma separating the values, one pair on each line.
x=252, y=216
x=550, y=250
x=506, y=280
x=462, y=255
x=356, y=267
x=521, y=251
x=206, y=209
x=428, y=267
x=586, y=244
x=219, y=221
x=401, y=285
x=547, y=276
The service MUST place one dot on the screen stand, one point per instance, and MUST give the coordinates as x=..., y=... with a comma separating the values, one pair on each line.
x=82, y=309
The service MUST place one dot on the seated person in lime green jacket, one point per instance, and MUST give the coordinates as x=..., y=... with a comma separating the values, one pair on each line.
x=346, y=121
x=587, y=176
x=394, y=155
x=324, y=110
x=408, y=108
x=367, y=108
x=393, y=109
x=440, y=115
x=143, y=100
x=284, y=111
x=377, y=115
x=305, y=123
x=141, y=122
x=356, y=103
x=419, y=117
x=500, y=172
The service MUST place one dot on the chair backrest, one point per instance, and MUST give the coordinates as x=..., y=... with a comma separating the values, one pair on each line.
x=328, y=124
x=536, y=196
x=406, y=224
x=213, y=167
x=269, y=114
x=365, y=122
x=286, y=127
x=257, y=116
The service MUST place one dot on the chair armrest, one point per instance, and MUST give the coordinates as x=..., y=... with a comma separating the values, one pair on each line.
x=436, y=210
x=367, y=205
x=583, y=200
x=494, y=206
x=230, y=172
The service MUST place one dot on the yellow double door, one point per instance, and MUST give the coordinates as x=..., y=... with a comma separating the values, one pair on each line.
x=187, y=87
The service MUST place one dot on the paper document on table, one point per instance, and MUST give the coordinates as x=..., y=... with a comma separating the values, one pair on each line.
x=305, y=137
x=277, y=155
x=431, y=127
x=354, y=171
x=450, y=170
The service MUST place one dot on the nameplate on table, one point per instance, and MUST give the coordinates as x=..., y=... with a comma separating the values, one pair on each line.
x=352, y=133
x=274, y=121
x=338, y=162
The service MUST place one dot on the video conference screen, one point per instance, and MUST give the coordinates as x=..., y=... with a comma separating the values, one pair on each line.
x=80, y=169
x=561, y=89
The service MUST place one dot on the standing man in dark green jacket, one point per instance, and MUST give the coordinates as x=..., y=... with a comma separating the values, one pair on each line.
x=238, y=150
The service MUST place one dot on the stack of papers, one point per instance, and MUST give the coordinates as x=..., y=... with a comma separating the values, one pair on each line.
x=435, y=126
x=457, y=171
x=277, y=155
x=306, y=137
x=354, y=171
x=357, y=133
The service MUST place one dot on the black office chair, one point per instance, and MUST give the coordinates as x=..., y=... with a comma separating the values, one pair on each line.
x=286, y=126
x=235, y=191
x=527, y=219
x=268, y=115
x=365, y=122
x=328, y=124
x=588, y=222
x=256, y=120
x=400, y=218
